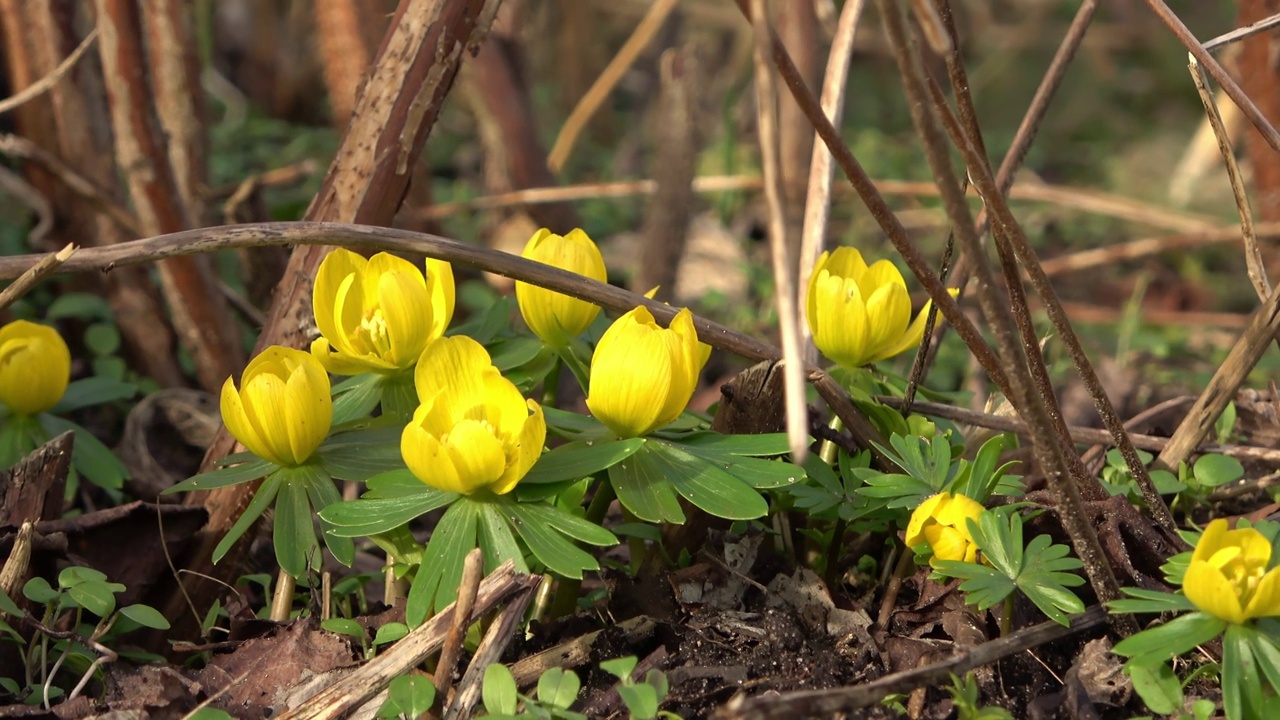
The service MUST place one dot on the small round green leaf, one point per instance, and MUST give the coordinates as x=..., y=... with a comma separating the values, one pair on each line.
x=146, y=616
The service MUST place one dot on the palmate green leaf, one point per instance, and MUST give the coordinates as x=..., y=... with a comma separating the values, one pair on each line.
x=224, y=477
x=484, y=325
x=496, y=541
x=534, y=524
x=706, y=485
x=361, y=454
x=90, y=457
x=437, y=580
x=91, y=391
x=641, y=484
x=580, y=459
x=756, y=472
x=297, y=550
x=511, y=353
x=370, y=516
x=928, y=462
x=1241, y=680
x=322, y=493
x=892, y=490
x=356, y=397
x=1171, y=639
x=258, y=505
x=1150, y=601
x=983, y=586
x=566, y=523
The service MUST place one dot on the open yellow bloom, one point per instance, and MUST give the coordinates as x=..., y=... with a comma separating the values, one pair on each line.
x=858, y=314
x=283, y=410
x=35, y=367
x=939, y=522
x=1228, y=576
x=552, y=316
x=643, y=375
x=377, y=315
x=473, y=430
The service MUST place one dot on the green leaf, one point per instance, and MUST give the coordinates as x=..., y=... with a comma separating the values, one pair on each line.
x=1150, y=601
x=102, y=339
x=1157, y=685
x=79, y=305
x=620, y=668
x=558, y=687
x=580, y=459
x=90, y=391
x=17, y=438
x=1171, y=639
x=209, y=713
x=496, y=540
x=574, y=426
x=77, y=574
x=362, y=454
x=714, y=443
x=9, y=607
x=90, y=457
x=145, y=616
x=322, y=493
x=356, y=397
x=546, y=543
x=395, y=483
x=642, y=487
x=1213, y=470
x=1267, y=657
x=390, y=633
x=258, y=505
x=412, y=695
x=361, y=518
x=224, y=477
x=511, y=353
x=566, y=524
x=706, y=485
x=1241, y=683
x=437, y=580
x=39, y=591
x=499, y=691
x=344, y=626
x=98, y=598
x=294, y=536
x=640, y=699
x=483, y=326
x=758, y=473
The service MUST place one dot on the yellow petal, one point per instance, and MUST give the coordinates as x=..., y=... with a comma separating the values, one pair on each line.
x=1266, y=597
x=947, y=543
x=308, y=406
x=888, y=314
x=553, y=316
x=687, y=360
x=846, y=262
x=527, y=450
x=237, y=422
x=476, y=454
x=921, y=516
x=426, y=458
x=266, y=403
x=338, y=269
x=631, y=374
x=1211, y=540
x=454, y=366
x=841, y=321
x=406, y=310
x=955, y=511
x=440, y=289
x=340, y=364
x=1206, y=587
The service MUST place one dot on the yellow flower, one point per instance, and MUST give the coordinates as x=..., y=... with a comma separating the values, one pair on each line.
x=282, y=411
x=1228, y=576
x=858, y=314
x=939, y=522
x=642, y=375
x=377, y=315
x=552, y=316
x=35, y=366
x=473, y=430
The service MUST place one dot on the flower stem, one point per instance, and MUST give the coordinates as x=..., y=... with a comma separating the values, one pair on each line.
x=551, y=384
x=566, y=599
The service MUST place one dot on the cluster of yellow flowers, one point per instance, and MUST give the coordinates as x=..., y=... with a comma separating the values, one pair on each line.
x=472, y=429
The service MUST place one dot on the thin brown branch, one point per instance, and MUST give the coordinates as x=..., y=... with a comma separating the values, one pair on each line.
x=45, y=83
x=780, y=251
x=47, y=265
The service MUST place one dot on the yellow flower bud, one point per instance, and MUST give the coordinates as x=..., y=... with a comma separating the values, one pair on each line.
x=939, y=522
x=552, y=316
x=35, y=367
x=643, y=375
x=473, y=430
x=1228, y=576
x=858, y=314
x=283, y=410
x=377, y=315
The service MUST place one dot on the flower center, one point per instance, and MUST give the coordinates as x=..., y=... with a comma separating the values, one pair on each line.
x=374, y=329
